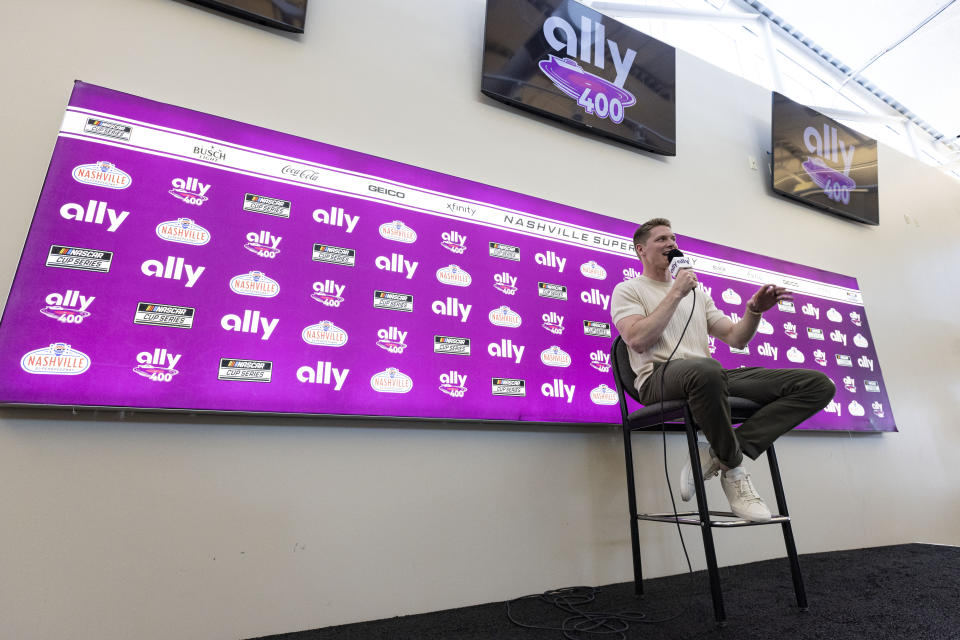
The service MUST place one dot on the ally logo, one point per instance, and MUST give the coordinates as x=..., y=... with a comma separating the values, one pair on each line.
x=59, y=359
x=594, y=94
x=189, y=190
x=834, y=184
x=102, y=174
x=184, y=231
x=328, y=293
x=454, y=384
x=392, y=339
x=453, y=241
x=391, y=380
x=398, y=232
x=69, y=307
x=157, y=365
x=264, y=244
x=600, y=361
x=324, y=334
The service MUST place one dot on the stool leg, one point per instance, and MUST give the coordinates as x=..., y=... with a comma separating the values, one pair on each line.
x=708, y=548
x=632, y=498
x=798, y=587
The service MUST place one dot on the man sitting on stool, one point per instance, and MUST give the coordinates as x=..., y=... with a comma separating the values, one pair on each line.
x=650, y=312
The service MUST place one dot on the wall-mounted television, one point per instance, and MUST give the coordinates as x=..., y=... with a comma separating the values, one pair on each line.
x=288, y=15
x=560, y=59
x=820, y=162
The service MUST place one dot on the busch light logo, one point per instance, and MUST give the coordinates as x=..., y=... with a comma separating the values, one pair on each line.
x=328, y=293
x=392, y=340
x=255, y=283
x=102, y=174
x=59, y=359
x=454, y=276
x=157, y=365
x=189, y=190
x=391, y=380
x=69, y=308
x=600, y=361
x=184, y=231
x=603, y=395
x=263, y=244
x=454, y=384
x=504, y=316
x=553, y=322
x=324, y=334
x=593, y=270
x=453, y=242
x=555, y=357
x=398, y=232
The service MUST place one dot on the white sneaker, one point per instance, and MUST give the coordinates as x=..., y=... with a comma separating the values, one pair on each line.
x=745, y=502
x=708, y=463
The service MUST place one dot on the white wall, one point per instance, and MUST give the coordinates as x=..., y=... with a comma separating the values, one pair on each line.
x=146, y=526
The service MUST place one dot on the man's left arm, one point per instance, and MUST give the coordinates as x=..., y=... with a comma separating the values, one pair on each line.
x=739, y=335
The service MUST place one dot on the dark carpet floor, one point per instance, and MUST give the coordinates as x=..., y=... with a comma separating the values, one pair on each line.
x=902, y=592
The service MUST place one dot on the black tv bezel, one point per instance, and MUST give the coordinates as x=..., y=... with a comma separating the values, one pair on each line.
x=815, y=205
x=581, y=126
x=230, y=9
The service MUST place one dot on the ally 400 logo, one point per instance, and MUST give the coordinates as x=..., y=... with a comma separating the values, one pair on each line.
x=157, y=365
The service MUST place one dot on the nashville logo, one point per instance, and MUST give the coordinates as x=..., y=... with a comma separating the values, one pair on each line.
x=504, y=316
x=69, y=308
x=453, y=241
x=392, y=339
x=856, y=409
x=593, y=270
x=398, y=232
x=59, y=359
x=391, y=380
x=189, y=190
x=553, y=322
x=603, y=395
x=555, y=357
x=504, y=251
x=454, y=276
x=102, y=174
x=245, y=370
x=505, y=283
x=328, y=293
x=324, y=334
x=164, y=315
x=107, y=129
x=157, y=365
x=269, y=206
x=184, y=231
x=255, y=283
x=264, y=244
x=453, y=384
x=77, y=258
x=600, y=361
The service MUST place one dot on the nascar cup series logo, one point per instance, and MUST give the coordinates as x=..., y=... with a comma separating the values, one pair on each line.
x=453, y=242
x=324, y=334
x=189, y=190
x=555, y=357
x=398, y=232
x=59, y=359
x=184, y=231
x=603, y=395
x=255, y=283
x=593, y=270
x=392, y=339
x=504, y=316
x=391, y=380
x=157, y=365
x=454, y=384
x=454, y=276
x=786, y=306
x=102, y=174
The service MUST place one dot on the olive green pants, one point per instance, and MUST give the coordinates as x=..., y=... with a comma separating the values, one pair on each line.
x=788, y=396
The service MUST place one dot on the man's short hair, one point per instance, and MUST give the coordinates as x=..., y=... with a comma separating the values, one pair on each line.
x=643, y=231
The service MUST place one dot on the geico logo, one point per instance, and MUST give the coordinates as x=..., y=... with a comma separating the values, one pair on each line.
x=557, y=389
x=160, y=357
x=396, y=263
x=384, y=190
x=95, y=213
x=71, y=299
x=250, y=323
x=506, y=349
x=174, y=269
x=595, y=297
x=588, y=54
x=336, y=218
x=550, y=259
x=324, y=373
x=451, y=307
x=766, y=349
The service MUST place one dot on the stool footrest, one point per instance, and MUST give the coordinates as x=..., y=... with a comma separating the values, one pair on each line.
x=693, y=517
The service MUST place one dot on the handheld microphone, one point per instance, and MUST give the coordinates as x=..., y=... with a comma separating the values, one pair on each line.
x=678, y=261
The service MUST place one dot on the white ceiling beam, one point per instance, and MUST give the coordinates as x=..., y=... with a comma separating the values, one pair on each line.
x=629, y=10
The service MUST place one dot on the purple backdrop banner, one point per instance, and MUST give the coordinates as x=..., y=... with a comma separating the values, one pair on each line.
x=178, y=260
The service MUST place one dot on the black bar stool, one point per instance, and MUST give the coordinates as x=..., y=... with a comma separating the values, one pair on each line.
x=677, y=417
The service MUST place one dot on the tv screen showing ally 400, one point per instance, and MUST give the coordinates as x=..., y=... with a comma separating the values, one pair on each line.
x=181, y=261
